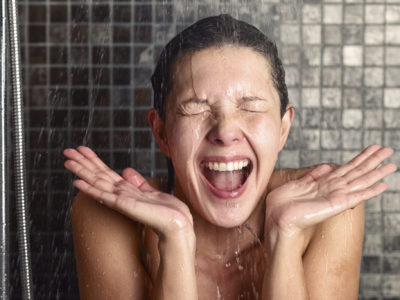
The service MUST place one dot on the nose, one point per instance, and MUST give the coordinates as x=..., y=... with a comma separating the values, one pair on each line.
x=226, y=131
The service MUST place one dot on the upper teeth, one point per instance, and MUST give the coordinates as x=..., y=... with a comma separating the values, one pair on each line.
x=228, y=166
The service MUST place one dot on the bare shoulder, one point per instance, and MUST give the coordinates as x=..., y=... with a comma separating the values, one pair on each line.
x=332, y=259
x=107, y=252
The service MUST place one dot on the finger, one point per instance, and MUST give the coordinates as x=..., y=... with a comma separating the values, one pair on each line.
x=97, y=162
x=371, y=163
x=88, y=176
x=356, y=161
x=372, y=177
x=357, y=197
x=136, y=179
x=88, y=164
x=316, y=174
x=129, y=205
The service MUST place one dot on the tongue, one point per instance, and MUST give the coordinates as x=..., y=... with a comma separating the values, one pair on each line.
x=226, y=181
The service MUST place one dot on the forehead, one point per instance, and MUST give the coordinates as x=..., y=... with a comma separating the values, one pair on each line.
x=229, y=68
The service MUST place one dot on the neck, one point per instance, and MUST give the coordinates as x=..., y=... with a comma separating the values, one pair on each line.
x=223, y=244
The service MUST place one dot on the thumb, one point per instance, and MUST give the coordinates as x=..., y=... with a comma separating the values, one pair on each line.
x=136, y=179
x=316, y=173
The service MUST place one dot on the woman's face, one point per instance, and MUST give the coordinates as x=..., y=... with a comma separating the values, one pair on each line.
x=223, y=131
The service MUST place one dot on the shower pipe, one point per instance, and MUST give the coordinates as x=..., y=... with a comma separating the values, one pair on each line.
x=19, y=155
x=4, y=205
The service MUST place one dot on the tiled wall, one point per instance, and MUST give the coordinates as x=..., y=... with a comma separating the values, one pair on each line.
x=86, y=72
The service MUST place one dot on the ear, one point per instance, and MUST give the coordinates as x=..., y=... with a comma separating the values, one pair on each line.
x=285, y=125
x=158, y=127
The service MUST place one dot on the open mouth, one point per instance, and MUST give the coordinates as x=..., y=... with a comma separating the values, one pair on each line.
x=227, y=179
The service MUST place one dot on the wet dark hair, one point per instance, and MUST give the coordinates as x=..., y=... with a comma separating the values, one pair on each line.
x=216, y=31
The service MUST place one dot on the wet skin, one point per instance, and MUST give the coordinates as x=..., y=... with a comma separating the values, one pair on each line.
x=223, y=106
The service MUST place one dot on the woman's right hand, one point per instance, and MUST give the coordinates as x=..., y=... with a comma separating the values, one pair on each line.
x=130, y=194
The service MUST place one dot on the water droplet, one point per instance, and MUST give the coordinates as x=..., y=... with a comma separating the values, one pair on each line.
x=240, y=267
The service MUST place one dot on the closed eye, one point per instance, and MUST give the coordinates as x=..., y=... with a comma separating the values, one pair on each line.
x=193, y=107
x=255, y=105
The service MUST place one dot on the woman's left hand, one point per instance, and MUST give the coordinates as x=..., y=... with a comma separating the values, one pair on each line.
x=324, y=193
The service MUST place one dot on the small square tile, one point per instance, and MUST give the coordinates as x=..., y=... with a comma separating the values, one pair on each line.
x=310, y=139
x=392, y=14
x=373, y=34
x=392, y=57
x=352, y=98
x=310, y=97
x=331, y=97
x=332, y=76
x=373, y=55
x=352, y=118
x=290, y=54
x=372, y=244
x=352, y=55
x=292, y=76
x=312, y=55
x=374, y=14
x=373, y=118
x=392, y=76
x=311, y=77
x=332, y=13
x=290, y=34
x=393, y=34
x=391, y=118
x=311, y=34
x=373, y=77
x=332, y=34
x=391, y=98
x=373, y=97
x=330, y=139
x=311, y=13
x=372, y=137
x=391, y=202
x=352, y=76
x=332, y=56
x=353, y=14
x=353, y=34
x=331, y=119
x=310, y=118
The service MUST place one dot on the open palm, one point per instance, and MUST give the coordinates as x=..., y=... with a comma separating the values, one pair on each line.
x=130, y=194
x=324, y=192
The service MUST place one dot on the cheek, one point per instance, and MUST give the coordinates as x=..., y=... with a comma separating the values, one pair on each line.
x=185, y=137
x=264, y=130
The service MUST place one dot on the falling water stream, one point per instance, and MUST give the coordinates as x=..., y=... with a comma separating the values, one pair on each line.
x=87, y=69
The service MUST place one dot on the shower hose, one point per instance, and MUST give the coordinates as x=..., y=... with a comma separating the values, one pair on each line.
x=19, y=155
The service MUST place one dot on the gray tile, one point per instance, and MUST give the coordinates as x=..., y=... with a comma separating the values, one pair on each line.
x=332, y=34
x=353, y=14
x=373, y=77
x=352, y=76
x=330, y=139
x=392, y=77
x=311, y=13
x=331, y=97
x=311, y=76
x=352, y=98
x=331, y=118
x=391, y=118
x=332, y=76
x=351, y=139
x=373, y=55
x=373, y=118
x=372, y=137
x=374, y=13
x=352, y=118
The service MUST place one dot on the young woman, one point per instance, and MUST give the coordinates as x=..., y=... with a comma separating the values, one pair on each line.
x=231, y=228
